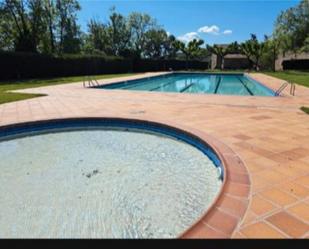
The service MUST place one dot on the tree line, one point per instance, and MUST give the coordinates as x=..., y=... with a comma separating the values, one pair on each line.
x=51, y=27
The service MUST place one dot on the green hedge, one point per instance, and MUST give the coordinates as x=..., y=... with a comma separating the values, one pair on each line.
x=29, y=65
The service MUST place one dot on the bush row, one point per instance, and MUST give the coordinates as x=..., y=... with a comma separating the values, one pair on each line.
x=28, y=65
x=296, y=64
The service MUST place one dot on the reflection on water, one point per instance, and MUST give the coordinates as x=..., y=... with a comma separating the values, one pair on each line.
x=200, y=83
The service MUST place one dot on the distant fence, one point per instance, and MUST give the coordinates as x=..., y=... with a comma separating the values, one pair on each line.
x=296, y=64
x=28, y=65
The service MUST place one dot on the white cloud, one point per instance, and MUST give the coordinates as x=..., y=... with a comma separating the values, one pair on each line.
x=188, y=37
x=168, y=33
x=214, y=30
x=227, y=32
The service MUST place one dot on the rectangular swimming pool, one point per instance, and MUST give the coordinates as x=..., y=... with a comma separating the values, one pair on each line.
x=226, y=84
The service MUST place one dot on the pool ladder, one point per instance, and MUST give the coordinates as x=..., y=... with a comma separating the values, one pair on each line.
x=283, y=86
x=91, y=81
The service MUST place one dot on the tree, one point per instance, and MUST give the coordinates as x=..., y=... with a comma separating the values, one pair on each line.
x=222, y=51
x=253, y=50
x=97, y=40
x=292, y=26
x=6, y=35
x=22, y=22
x=305, y=48
x=157, y=44
x=170, y=49
x=71, y=43
x=194, y=49
x=271, y=50
x=119, y=33
x=46, y=26
x=139, y=24
x=68, y=30
x=49, y=7
x=135, y=36
x=191, y=50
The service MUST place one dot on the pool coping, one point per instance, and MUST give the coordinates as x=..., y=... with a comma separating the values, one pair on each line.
x=217, y=221
x=222, y=218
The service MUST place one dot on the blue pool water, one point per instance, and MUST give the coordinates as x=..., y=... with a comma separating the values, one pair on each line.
x=226, y=84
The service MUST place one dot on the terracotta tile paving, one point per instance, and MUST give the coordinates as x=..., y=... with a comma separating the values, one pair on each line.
x=300, y=210
x=260, y=206
x=295, y=189
x=290, y=172
x=233, y=206
x=221, y=221
x=289, y=224
x=249, y=218
x=258, y=183
x=261, y=230
x=272, y=175
x=238, y=190
x=238, y=235
x=270, y=135
x=303, y=181
x=278, y=197
x=242, y=137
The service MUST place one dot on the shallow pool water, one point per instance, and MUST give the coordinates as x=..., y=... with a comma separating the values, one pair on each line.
x=102, y=184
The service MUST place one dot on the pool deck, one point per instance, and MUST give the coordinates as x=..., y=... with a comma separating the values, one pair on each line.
x=269, y=134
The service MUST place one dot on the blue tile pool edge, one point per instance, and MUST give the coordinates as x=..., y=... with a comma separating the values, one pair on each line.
x=19, y=130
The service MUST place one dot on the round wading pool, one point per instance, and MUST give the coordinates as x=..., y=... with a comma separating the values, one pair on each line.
x=103, y=178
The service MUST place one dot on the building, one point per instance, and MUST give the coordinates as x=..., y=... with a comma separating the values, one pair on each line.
x=231, y=61
x=290, y=56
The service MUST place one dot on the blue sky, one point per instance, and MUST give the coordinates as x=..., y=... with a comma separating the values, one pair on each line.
x=220, y=21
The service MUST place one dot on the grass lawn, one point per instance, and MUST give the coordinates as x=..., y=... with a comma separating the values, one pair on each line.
x=298, y=77
x=305, y=109
x=6, y=97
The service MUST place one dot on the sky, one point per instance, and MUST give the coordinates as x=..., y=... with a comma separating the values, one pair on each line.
x=221, y=21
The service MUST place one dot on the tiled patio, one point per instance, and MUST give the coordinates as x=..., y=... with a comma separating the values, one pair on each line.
x=270, y=135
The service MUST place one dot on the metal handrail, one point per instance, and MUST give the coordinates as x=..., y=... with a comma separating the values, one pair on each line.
x=281, y=88
x=91, y=81
x=292, y=89
x=284, y=85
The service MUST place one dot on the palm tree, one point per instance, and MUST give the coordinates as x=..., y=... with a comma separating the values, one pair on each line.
x=191, y=50
x=222, y=51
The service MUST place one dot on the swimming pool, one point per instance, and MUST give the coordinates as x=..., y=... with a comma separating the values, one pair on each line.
x=103, y=178
x=225, y=84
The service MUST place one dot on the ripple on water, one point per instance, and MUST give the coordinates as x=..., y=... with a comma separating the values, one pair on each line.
x=102, y=183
